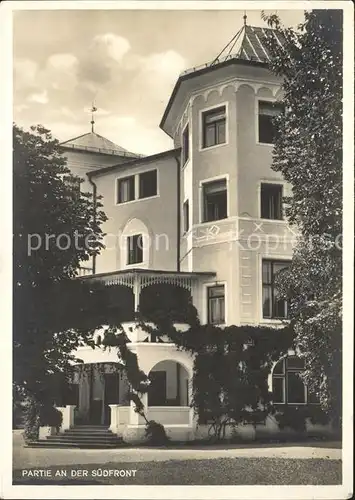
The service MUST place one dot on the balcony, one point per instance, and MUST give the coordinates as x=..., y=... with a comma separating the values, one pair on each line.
x=139, y=294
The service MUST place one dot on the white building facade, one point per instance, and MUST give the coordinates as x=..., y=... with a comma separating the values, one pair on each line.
x=203, y=222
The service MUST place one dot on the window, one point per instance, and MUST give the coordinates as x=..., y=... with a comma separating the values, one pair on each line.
x=125, y=189
x=216, y=305
x=287, y=385
x=267, y=112
x=215, y=200
x=185, y=145
x=214, y=127
x=273, y=306
x=186, y=213
x=271, y=201
x=148, y=184
x=135, y=249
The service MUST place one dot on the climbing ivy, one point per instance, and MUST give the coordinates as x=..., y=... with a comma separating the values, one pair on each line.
x=231, y=367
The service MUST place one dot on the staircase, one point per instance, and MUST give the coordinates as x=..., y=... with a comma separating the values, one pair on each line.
x=81, y=436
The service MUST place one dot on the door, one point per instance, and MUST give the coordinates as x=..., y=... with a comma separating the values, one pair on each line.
x=157, y=389
x=112, y=393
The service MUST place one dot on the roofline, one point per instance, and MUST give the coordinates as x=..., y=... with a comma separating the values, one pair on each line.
x=136, y=161
x=73, y=139
x=101, y=151
x=183, y=77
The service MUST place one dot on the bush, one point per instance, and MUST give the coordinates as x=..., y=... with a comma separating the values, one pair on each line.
x=155, y=434
x=31, y=419
x=50, y=416
x=295, y=417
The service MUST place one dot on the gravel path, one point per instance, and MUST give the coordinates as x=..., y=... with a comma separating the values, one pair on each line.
x=44, y=457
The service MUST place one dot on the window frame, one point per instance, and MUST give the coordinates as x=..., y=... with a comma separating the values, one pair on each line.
x=185, y=145
x=186, y=216
x=272, y=260
x=285, y=389
x=271, y=100
x=139, y=174
x=202, y=113
x=202, y=203
x=209, y=287
x=274, y=184
x=136, y=176
x=128, y=249
x=118, y=182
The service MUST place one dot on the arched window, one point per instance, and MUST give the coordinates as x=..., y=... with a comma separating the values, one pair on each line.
x=134, y=245
x=287, y=385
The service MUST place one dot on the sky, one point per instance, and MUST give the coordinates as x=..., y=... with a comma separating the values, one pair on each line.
x=126, y=61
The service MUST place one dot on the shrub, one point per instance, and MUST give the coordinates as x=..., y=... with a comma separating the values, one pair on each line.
x=155, y=434
x=50, y=416
x=31, y=420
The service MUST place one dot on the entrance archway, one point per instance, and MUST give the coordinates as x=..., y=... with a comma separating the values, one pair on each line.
x=169, y=384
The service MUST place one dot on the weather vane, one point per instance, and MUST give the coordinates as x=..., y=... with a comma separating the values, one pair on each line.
x=93, y=110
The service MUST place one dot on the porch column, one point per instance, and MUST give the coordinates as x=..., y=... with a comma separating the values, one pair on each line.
x=192, y=416
x=134, y=417
x=136, y=292
x=114, y=423
x=68, y=416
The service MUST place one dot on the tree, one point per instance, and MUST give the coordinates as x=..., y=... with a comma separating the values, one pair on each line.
x=55, y=228
x=308, y=153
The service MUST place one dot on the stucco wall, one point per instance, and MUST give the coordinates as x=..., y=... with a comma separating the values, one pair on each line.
x=241, y=242
x=82, y=162
x=158, y=214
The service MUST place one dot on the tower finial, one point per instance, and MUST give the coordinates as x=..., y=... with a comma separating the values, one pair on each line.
x=245, y=18
x=93, y=110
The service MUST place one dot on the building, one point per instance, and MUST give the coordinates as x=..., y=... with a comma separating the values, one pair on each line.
x=203, y=221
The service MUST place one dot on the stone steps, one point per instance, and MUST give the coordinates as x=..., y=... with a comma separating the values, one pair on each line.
x=88, y=436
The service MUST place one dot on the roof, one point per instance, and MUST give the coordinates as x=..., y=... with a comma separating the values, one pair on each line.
x=250, y=48
x=136, y=161
x=97, y=144
x=253, y=47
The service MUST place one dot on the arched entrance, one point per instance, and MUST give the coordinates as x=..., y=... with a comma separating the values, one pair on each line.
x=169, y=384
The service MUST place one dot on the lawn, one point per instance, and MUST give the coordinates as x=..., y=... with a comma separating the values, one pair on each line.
x=224, y=471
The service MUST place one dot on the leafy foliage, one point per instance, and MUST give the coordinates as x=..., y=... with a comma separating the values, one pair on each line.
x=53, y=314
x=295, y=417
x=231, y=367
x=308, y=153
x=50, y=416
x=155, y=434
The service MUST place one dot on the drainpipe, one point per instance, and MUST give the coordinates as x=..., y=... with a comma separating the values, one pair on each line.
x=177, y=158
x=94, y=192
